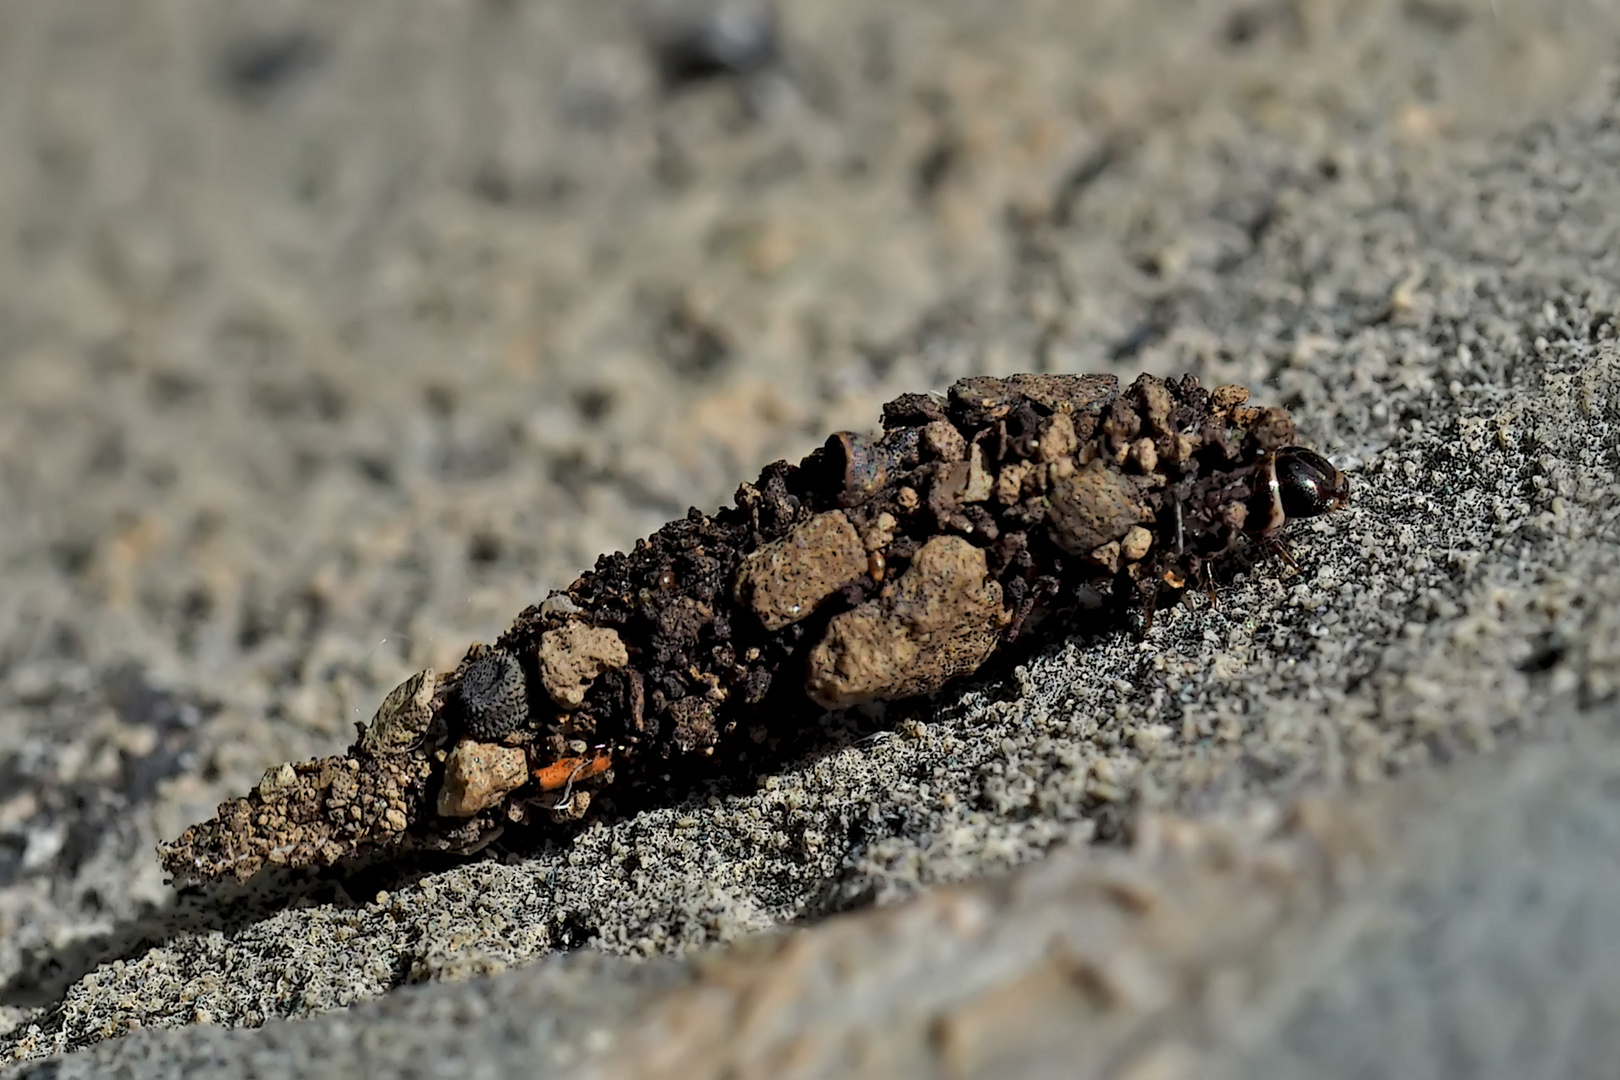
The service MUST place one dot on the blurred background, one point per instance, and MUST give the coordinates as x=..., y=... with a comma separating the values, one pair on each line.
x=332, y=335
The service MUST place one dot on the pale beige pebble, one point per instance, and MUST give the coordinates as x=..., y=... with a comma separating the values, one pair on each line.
x=1057, y=437
x=943, y=618
x=478, y=775
x=1144, y=455
x=1156, y=403
x=941, y=439
x=1136, y=543
x=981, y=481
x=403, y=717
x=907, y=499
x=1010, y=482
x=787, y=579
x=1180, y=448
x=573, y=655
x=1228, y=396
x=880, y=532
x=1106, y=556
x=1092, y=507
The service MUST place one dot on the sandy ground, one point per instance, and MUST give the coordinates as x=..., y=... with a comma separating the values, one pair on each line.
x=331, y=337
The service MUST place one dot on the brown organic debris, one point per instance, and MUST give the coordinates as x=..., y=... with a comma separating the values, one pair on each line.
x=881, y=566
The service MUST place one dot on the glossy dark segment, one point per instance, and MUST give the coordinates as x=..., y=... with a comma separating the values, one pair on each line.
x=1308, y=483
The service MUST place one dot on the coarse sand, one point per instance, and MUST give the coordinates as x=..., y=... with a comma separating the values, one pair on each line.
x=331, y=336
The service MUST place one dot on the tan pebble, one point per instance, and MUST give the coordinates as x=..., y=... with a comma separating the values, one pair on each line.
x=786, y=580
x=1093, y=507
x=1010, y=482
x=1144, y=455
x=394, y=818
x=573, y=655
x=1245, y=415
x=879, y=532
x=1136, y=543
x=1272, y=428
x=1058, y=439
x=1228, y=396
x=478, y=775
x=1107, y=556
x=941, y=439
x=1181, y=448
x=941, y=619
x=907, y=499
x=1156, y=402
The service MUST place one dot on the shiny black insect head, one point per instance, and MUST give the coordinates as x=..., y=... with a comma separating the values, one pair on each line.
x=494, y=696
x=1296, y=483
x=1308, y=483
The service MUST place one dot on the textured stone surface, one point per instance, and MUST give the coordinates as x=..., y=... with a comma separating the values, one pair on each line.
x=785, y=580
x=329, y=335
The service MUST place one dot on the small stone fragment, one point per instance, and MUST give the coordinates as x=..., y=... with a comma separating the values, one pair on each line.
x=1137, y=542
x=1156, y=402
x=1180, y=448
x=863, y=465
x=1010, y=481
x=943, y=618
x=494, y=694
x=402, y=718
x=558, y=603
x=879, y=532
x=1093, y=506
x=784, y=581
x=1107, y=556
x=1228, y=396
x=478, y=775
x=944, y=442
x=1058, y=438
x=1273, y=429
x=981, y=481
x=1144, y=455
x=573, y=655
